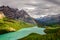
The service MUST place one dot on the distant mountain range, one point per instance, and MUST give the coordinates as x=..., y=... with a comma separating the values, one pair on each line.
x=48, y=20
x=14, y=13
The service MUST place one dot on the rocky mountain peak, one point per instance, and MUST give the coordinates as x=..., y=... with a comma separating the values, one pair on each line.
x=14, y=13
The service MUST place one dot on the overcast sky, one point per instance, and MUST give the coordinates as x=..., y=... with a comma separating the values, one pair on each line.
x=35, y=8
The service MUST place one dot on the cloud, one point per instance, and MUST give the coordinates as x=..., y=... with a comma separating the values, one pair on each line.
x=35, y=7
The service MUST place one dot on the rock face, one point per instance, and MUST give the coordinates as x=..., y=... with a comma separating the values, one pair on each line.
x=14, y=13
x=1, y=15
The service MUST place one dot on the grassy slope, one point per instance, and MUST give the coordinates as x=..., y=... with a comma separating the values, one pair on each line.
x=10, y=25
x=48, y=36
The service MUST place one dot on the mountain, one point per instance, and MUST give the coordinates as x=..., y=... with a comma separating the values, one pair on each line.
x=48, y=20
x=15, y=13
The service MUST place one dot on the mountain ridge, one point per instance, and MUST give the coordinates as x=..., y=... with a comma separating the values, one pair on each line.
x=48, y=20
x=15, y=13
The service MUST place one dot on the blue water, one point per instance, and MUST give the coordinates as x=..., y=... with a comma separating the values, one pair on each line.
x=22, y=33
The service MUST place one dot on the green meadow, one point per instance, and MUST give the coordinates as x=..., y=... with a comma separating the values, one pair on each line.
x=10, y=25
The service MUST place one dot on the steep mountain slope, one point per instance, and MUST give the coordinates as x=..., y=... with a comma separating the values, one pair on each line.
x=14, y=13
x=9, y=25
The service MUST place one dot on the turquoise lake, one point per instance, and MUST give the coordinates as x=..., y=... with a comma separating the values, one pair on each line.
x=22, y=33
